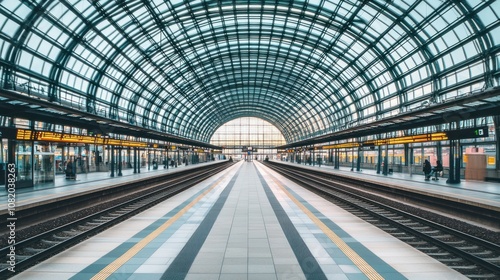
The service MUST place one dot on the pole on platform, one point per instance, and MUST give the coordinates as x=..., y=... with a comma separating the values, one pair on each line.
x=120, y=162
x=112, y=161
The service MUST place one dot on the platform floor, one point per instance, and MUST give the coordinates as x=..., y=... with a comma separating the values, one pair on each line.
x=247, y=222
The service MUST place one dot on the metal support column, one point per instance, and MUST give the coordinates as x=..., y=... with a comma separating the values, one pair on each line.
x=87, y=162
x=358, y=161
x=135, y=160
x=352, y=159
x=386, y=161
x=455, y=159
x=313, y=158
x=167, y=159
x=337, y=159
x=112, y=161
x=405, y=155
x=63, y=158
x=496, y=121
x=149, y=159
x=120, y=162
x=97, y=162
x=138, y=160
x=379, y=159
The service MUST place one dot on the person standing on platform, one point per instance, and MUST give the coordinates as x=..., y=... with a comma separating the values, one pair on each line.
x=427, y=170
x=69, y=170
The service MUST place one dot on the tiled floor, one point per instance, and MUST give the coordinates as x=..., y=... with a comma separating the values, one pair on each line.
x=246, y=239
x=249, y=238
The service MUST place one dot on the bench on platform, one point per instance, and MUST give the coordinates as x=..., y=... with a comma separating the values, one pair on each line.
x=492, y=179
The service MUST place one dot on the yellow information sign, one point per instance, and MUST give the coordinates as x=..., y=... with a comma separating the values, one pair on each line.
x=491, y=160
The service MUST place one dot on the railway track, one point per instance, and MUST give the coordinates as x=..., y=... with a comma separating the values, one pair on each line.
x=471, y=256
x=42, y=246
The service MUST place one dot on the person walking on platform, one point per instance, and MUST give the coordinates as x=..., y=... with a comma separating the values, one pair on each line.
x=70, y=174
x=436, y=170
x=427, y=170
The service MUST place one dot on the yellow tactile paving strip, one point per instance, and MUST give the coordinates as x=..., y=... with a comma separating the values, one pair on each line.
x=369, y=271
x=116, y=264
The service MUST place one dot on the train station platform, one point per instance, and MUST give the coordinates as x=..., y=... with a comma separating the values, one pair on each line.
x=474, y=192
x=61, y=187
x=247, y=222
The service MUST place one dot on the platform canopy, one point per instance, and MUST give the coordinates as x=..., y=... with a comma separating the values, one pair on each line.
x=308, y=67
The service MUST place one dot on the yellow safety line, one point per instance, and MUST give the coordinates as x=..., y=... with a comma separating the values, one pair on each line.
x=117, y=263
x=369, y=271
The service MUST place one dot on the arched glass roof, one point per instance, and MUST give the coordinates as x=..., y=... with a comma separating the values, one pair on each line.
x=307, y=67
x=247, y=132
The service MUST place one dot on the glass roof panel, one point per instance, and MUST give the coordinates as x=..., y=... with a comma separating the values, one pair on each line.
x=204, y=63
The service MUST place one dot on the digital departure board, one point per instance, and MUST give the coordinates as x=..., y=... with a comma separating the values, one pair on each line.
x=477, y=132
x=24, y=134
x=49, y=136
